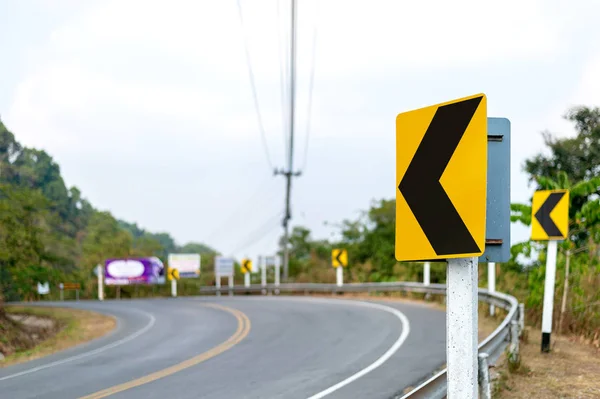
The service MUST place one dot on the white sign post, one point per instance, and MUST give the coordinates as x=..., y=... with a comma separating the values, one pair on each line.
x=461, y=327
x=426, y=273
x=247, y=280
x=100, y=273
x=339, y=276
x=223, y=267
x=263, y=274
x=277, y=268
x=549, y=294
x=492, y=283
x=174, y=288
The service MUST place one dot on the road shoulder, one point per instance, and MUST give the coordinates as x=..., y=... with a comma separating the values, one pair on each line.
x=47, y=330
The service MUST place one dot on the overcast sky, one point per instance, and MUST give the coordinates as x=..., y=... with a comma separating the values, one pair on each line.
x=147, y=105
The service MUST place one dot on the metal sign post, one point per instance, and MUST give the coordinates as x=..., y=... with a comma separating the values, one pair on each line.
x=277, y=275
x=339, y=276
x=100, y=273
x=230, y=277
x=426, y=273
x=173, y=288
x=62, y=288
x=218, y=282
x=461, y=327
x=549, y=294
x=263, y=274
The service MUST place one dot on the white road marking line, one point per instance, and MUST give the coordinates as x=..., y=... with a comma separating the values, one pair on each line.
x=90, y=353
x=393, y=349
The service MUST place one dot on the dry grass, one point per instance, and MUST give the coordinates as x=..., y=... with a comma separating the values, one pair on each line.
x=74, y=327
x=570, y=370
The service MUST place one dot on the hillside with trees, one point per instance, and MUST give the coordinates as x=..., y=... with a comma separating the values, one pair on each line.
x=50, y=232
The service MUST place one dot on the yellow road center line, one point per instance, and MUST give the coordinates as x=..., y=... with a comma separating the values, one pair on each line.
x=240, y=333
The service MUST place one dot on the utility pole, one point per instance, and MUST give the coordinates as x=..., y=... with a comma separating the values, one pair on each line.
x=289, y=173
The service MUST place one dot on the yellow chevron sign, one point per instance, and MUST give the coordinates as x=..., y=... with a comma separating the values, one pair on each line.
x=550, y=215
x=339, y=257
x=172, y=274
x=246, y=266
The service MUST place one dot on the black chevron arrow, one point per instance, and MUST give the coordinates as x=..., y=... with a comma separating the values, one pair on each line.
x=421, y=187
x=543, y=215
x=337, y=257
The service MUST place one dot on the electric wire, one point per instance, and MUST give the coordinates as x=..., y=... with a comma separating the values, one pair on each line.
x=310, y=88
x=253, y=86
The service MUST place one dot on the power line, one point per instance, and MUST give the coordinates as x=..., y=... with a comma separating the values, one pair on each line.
x=245, y=204
x=310, y=89
x=260, y=233
x=253, y=85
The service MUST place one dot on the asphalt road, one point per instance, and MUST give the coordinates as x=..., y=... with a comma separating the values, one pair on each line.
x=245, y=347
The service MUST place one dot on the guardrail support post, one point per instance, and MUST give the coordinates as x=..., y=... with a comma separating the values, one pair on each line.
x=514, y=342
x=521, y=318
x=485, y=390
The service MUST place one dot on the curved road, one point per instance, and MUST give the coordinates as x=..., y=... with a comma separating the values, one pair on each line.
x=241, y=347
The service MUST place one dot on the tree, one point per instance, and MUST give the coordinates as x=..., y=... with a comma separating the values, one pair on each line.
x=104, y=239
x=197, y=248
x=23, y=236
x=579, y=156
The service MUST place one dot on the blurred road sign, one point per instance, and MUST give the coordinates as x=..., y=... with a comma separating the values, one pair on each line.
x=550, y=215
x=70, y=286
x=172, y=274
x=223, y=266
x=188, y=265
x=43, y=289
x=246, y=266
x=270, y=261
x=441, y=172
x=339, y=257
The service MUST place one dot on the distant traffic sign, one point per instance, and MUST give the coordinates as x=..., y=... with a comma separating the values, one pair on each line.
x=270, y=261
x=188, y=265
x=70, y=286
x=441, y=171
x=246, y=266
x=339, y=257
x=550, y=211
x=223, y=266
x=172, y=274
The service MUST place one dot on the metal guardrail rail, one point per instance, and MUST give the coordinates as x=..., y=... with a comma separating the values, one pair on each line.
x=434, y=387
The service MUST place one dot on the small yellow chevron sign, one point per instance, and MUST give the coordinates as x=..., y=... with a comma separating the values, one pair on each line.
x=339, y=257
x=246, y=266
x=172, y=274
x=550, y=215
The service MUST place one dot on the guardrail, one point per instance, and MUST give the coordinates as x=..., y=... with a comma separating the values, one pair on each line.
x=490, y=349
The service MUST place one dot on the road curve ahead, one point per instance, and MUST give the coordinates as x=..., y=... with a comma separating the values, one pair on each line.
x=241, y=347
